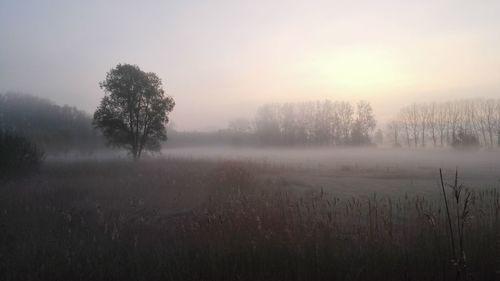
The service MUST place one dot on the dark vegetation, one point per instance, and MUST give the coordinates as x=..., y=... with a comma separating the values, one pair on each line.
x=176, y=219
x=133, y=113
x=19, y=156
x=55, y=129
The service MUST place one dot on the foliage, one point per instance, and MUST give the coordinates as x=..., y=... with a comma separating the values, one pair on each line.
x=52, y=127
x=134, y=111
x=18, y=155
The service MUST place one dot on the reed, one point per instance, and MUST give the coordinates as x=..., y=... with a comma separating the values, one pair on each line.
x=101, y=221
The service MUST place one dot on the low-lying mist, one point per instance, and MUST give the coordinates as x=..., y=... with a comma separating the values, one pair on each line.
x=428, y=158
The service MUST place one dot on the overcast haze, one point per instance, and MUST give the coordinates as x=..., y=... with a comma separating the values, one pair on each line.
x=222, y=59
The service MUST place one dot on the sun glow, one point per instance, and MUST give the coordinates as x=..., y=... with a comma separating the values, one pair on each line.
x=353, y=71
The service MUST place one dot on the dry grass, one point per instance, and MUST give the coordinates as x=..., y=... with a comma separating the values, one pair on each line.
x=199, y=220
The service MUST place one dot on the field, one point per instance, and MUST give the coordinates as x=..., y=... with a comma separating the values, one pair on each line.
x=253, y=214
x=358, y=171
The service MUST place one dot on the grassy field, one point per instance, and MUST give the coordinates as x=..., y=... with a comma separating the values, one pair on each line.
x=242, y=218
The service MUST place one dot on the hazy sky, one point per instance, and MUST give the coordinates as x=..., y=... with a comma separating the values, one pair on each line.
x=221, y=59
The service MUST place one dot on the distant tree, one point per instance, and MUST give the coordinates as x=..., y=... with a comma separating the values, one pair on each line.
x=357, y=135
x=456, y=123
x=393, y=128
x=364, y=124
x=496, y=121
x=378, y=137
x=430, y=120
x=345, y=120
x=238, y=130
x=134, y=110
x=267, y=124
x=240, y=125
x=288, y=123
x=424, y=116
x=414, y=123
x=365, y=116
x=487, y=108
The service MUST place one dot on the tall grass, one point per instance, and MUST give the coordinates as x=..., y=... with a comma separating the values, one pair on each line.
x=102, y=221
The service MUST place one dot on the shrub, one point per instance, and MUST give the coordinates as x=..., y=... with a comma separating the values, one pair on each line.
x=465, y=140
x=18, y=155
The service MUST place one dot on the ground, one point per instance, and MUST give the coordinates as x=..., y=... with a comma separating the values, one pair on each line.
x=251, y=214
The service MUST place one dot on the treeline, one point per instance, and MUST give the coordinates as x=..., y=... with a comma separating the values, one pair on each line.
x=472, y=122
x=315, y=123
x=462, y=123
x=52, y=127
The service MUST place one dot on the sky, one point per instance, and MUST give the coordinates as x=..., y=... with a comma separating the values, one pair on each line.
x=220, y=60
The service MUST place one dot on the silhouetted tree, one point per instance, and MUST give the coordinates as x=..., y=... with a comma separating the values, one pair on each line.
x=134, y=111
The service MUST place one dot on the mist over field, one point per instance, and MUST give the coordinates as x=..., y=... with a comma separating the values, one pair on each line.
x=250, y=140
x=336, y=157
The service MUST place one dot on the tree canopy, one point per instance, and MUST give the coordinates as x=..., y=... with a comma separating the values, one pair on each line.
x=134, y=111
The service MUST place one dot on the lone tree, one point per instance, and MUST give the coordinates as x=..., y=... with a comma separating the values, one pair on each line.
x=134, y=110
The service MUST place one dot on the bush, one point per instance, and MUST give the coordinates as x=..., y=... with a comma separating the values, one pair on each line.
x=465, y=140
x=18, y=155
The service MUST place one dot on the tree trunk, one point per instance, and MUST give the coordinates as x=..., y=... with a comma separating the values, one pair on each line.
x=498, y=138
x=423, y=136
x=135, y=153
x=490, y=133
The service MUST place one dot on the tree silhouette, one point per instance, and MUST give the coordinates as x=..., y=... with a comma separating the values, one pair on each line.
x=134, y=110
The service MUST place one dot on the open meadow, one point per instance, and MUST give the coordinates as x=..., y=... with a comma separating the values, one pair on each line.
x=250, y=214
